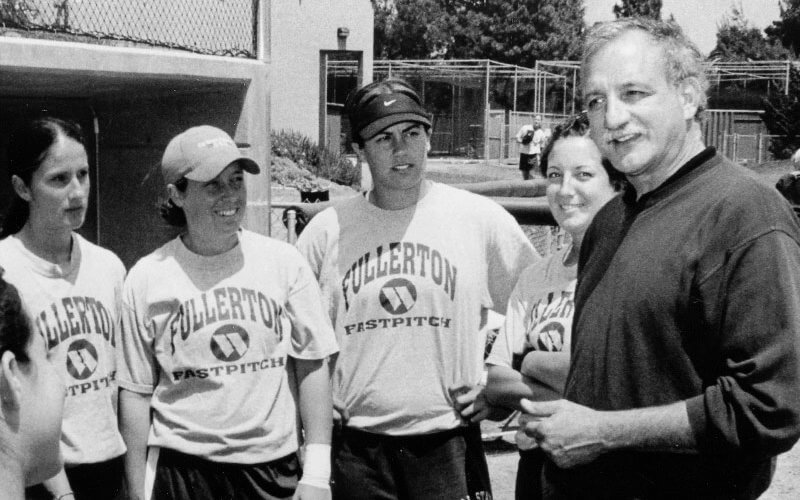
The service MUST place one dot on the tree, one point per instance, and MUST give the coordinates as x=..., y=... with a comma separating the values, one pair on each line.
x=782, y=111
x=517, y=31
x=410, y=29
x=638, y=8
x=737, y=40
x=510, y=31
x=787, y=29
x=782, y=117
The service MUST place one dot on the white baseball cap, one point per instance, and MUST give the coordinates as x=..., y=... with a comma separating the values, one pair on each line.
x=200, y=154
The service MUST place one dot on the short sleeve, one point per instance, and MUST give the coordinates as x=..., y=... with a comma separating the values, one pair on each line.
x=509, y=254
x=511, y=338
x=312, y=334
x=136, y=361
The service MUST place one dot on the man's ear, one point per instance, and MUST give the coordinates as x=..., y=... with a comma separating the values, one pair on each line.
x=175, y=195
x=690, y=94
x=22, y=189
x=10, y=383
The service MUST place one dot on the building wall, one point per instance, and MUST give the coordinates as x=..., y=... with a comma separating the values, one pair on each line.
x=132, y=102
x=299, y=29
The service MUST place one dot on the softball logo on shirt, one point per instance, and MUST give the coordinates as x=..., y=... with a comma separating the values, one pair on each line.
x=412, y=260
x=230, y=343
x=424, y=270
x=82, y=359
x=549, y=321
x=551, y=337
x=398, y=296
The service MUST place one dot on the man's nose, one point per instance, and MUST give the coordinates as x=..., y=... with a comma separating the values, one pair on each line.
x=615, y=113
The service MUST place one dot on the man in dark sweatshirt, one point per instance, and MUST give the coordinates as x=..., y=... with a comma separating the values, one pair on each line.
x=685, y=371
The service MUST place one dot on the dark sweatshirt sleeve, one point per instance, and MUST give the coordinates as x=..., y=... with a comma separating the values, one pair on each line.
x=754, y=404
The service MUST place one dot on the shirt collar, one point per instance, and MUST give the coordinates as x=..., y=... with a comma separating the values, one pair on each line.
x=672, y=184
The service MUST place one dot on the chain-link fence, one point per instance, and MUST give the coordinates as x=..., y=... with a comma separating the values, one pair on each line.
x=214, y=27
x=748, y=148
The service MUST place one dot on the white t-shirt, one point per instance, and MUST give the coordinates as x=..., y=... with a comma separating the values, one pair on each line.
x=537, y=143
x=76, y=310
x=540, y=310
x=408, y=292
x=539, y=317
x=209, y=337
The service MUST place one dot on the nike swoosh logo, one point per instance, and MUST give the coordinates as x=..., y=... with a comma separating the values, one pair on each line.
x=389, y=103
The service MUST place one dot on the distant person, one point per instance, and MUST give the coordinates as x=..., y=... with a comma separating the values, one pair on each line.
x=796, y=158
x=72, y=289
x=532, y=139
x=530, y=357
x=218, y=323
x=31, y=401
x=684, y=379
x=789, y=186
x=408, y=273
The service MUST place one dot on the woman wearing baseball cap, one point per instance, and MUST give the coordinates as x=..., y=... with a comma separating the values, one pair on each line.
x=71, y=288
x=408, y=272
x=218, y=322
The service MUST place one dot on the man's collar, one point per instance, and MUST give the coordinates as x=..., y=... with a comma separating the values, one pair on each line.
x=671, y=184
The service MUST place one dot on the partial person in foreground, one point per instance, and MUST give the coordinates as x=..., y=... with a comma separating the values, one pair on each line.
x=72, y=289
x=218, y=324
x=408, y=272
x=31, y=401
x=530, y=356
x=684, y=379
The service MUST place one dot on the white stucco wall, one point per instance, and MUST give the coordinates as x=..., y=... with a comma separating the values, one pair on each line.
x=299, y=29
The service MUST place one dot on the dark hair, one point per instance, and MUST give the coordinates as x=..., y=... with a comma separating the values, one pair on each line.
x=28, y=146
x=358, y=99
x=15, y=329
x=172, y=213
x=578, y=126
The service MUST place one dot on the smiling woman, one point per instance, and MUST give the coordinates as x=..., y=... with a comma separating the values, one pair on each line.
x=530, y=357
x=62, y=276
x=215, y=320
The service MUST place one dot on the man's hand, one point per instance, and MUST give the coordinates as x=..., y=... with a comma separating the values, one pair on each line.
x=569, y=433
x=308, y=492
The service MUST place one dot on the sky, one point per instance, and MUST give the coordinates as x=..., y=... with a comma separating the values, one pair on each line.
x=698, y=18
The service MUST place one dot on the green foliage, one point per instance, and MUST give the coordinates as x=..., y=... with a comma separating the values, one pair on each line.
x=510, y=31
x=787, y=29
x=410, y=29
x=782, y=117
x=308, y=156
x=638, y=8
x=737, y=40
x=518, y=31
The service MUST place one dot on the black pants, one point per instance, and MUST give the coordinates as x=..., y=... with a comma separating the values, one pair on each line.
x=185, y=477
x=529, y=475
x=100, y=481
x=446, y=465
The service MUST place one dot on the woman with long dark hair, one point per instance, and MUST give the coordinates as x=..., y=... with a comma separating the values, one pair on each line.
x=72, y=289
